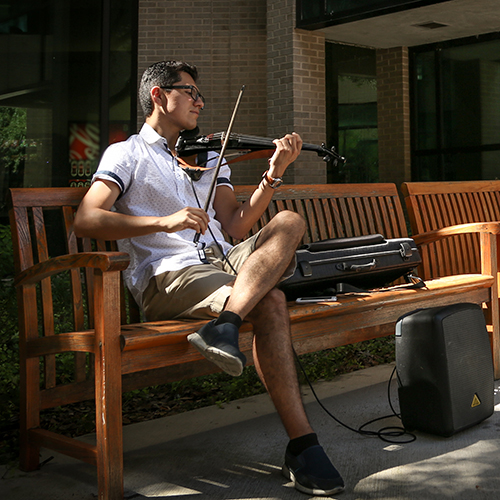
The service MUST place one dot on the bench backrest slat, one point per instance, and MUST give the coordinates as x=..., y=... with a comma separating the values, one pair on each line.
x=434, y=205
x=338, y=210
x=46, y=294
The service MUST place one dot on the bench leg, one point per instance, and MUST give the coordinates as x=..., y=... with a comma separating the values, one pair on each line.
x=29, y=414
x=29, y=383
x=495, y=321
x=490, y=259
x=108, y=385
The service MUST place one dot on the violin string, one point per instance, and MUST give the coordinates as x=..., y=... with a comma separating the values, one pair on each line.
x=254, y=140
x=250, y=141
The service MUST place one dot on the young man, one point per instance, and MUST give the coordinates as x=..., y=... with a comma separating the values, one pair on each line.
x=142, y=197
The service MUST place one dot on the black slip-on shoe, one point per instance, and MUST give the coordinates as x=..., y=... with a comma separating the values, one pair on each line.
x=313, y=473
x=219, y=344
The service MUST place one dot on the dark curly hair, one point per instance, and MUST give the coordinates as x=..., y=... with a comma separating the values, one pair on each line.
x=162, y=74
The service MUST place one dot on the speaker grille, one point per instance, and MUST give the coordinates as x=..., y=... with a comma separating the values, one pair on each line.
x=469, y=364
x=445, y=368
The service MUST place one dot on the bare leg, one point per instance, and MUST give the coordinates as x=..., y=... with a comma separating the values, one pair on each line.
x=275, y=249
x=255, y=298
x=306, y=463
x=262, y=270
x=275, y=364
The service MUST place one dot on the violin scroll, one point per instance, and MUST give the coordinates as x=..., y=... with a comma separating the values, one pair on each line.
x=331, y=155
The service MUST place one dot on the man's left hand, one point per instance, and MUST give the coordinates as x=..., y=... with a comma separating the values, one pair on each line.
x=287, y=150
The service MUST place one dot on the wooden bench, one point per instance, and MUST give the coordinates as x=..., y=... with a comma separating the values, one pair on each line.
x=448, y=207
x=112, y=356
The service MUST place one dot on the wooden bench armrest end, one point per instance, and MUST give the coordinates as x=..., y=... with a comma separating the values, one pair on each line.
x=105, y=261
x=445, y=232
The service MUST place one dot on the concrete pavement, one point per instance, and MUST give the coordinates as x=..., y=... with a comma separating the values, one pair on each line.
x=236, y=452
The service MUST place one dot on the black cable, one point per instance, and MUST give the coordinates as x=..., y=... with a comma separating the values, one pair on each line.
x=385, y=433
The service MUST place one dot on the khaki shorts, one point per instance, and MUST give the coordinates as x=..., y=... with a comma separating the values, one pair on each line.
x=199, y=291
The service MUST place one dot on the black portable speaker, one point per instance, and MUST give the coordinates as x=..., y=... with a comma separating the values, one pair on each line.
x=445, y=369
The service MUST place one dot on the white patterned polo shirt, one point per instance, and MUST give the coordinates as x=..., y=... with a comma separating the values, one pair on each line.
x=153, y=184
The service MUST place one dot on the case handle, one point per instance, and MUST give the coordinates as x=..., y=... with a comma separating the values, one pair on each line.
x=357, y=267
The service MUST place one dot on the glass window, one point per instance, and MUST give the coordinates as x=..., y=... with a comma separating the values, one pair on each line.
x=13, y=147
x=425, y=94
x=352, y=112
x=67, y=89
x=427, y=168
x=490, y=160
x=456, y=110
x=471, y=94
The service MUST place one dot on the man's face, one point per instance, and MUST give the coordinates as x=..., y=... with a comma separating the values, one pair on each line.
x=181, y=109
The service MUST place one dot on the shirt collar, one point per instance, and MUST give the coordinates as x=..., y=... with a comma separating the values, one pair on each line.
x=150, y=135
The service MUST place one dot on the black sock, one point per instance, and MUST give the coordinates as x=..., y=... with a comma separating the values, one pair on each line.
x=229, y=317
x=298, y=445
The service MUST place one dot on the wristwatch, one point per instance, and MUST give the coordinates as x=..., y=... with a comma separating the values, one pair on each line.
x=275, y=183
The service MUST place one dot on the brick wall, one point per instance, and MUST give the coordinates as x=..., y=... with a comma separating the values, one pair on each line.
x=310, y=104
x=235, y=42
x=226, y=40
x=393, y=109
x=296, y=88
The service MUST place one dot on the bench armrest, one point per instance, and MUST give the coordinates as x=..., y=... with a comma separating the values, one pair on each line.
x=473, y=227
x=105, y=261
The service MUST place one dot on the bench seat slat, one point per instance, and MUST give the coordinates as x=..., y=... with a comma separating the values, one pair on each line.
x=166, y=344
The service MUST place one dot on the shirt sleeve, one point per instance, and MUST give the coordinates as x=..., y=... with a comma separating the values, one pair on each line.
x=116, y=166
x=224, y=177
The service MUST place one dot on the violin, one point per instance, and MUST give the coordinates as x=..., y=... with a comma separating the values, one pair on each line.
x=247, y=147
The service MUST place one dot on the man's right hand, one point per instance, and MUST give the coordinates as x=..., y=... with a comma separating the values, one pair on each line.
x=187, y=218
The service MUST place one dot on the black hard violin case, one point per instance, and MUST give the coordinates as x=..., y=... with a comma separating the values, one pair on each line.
x=345, y=264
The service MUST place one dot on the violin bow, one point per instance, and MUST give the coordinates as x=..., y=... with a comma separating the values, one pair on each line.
x=221, y=157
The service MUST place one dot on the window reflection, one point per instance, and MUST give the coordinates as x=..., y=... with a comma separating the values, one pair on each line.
x=352, y=112
x=54, y=70
x=456, y=118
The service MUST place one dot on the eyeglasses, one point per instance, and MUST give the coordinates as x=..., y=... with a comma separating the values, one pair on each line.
x=193, y=91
